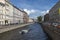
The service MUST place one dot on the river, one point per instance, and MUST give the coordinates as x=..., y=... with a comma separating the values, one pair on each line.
x=35, y=33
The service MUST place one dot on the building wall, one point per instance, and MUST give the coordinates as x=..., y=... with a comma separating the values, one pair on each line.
x=25, y=17
x=31, y=20
x=46, y=17
x=10, y=14
x=6, y=12
x=17, y=16
x=21, y=17
x=2, y=1
x=2, y=12
x=54, y=13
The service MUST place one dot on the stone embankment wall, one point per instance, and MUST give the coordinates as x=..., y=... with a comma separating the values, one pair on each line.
x=53, y=32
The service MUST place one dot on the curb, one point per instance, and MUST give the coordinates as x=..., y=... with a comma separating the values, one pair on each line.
x=12, y=28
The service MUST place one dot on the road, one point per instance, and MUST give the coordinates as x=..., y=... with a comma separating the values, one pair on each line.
x=36, y=33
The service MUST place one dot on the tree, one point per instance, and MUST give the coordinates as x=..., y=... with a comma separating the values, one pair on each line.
x=39, y=18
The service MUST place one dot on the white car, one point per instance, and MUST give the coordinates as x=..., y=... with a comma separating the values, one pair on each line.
x=55, y=24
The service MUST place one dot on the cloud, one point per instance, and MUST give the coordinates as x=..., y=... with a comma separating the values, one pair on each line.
x=44, y=12
x=34, y=13
x=29, y=11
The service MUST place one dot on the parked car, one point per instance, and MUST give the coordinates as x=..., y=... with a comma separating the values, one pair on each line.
x=55, y=24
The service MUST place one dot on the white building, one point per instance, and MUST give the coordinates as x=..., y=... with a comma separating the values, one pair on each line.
x=30, y=20
x=18, y=15
x=9, y=13
x=6, y=12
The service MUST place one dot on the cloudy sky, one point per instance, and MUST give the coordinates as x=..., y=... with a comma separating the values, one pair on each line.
x=35, y=8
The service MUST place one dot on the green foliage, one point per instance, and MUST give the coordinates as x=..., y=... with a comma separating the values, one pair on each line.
x=39, y=18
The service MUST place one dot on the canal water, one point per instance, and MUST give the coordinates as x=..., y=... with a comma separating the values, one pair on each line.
x=35, y=33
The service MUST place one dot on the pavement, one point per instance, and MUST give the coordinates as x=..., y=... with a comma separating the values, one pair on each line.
x=11, y=27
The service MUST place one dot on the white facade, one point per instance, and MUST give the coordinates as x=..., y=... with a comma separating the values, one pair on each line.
x=6, y=12
x=30, y=20
x=2, y=1
x=2, y=11
x=21, y=17
x=9, y=13
x=18, y=16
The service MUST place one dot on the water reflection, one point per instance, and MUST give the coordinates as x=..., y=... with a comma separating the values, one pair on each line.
x=35, y=33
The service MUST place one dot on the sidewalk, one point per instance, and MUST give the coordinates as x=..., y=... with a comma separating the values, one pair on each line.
x=11, y=27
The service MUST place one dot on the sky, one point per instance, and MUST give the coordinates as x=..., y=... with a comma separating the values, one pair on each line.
x=34, y=8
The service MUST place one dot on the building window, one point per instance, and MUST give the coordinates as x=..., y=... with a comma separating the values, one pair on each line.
x=7, y=7
x=6, y=4
x=6, y=21
x=1, y=16
x=1, y=4
x=0, y=11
